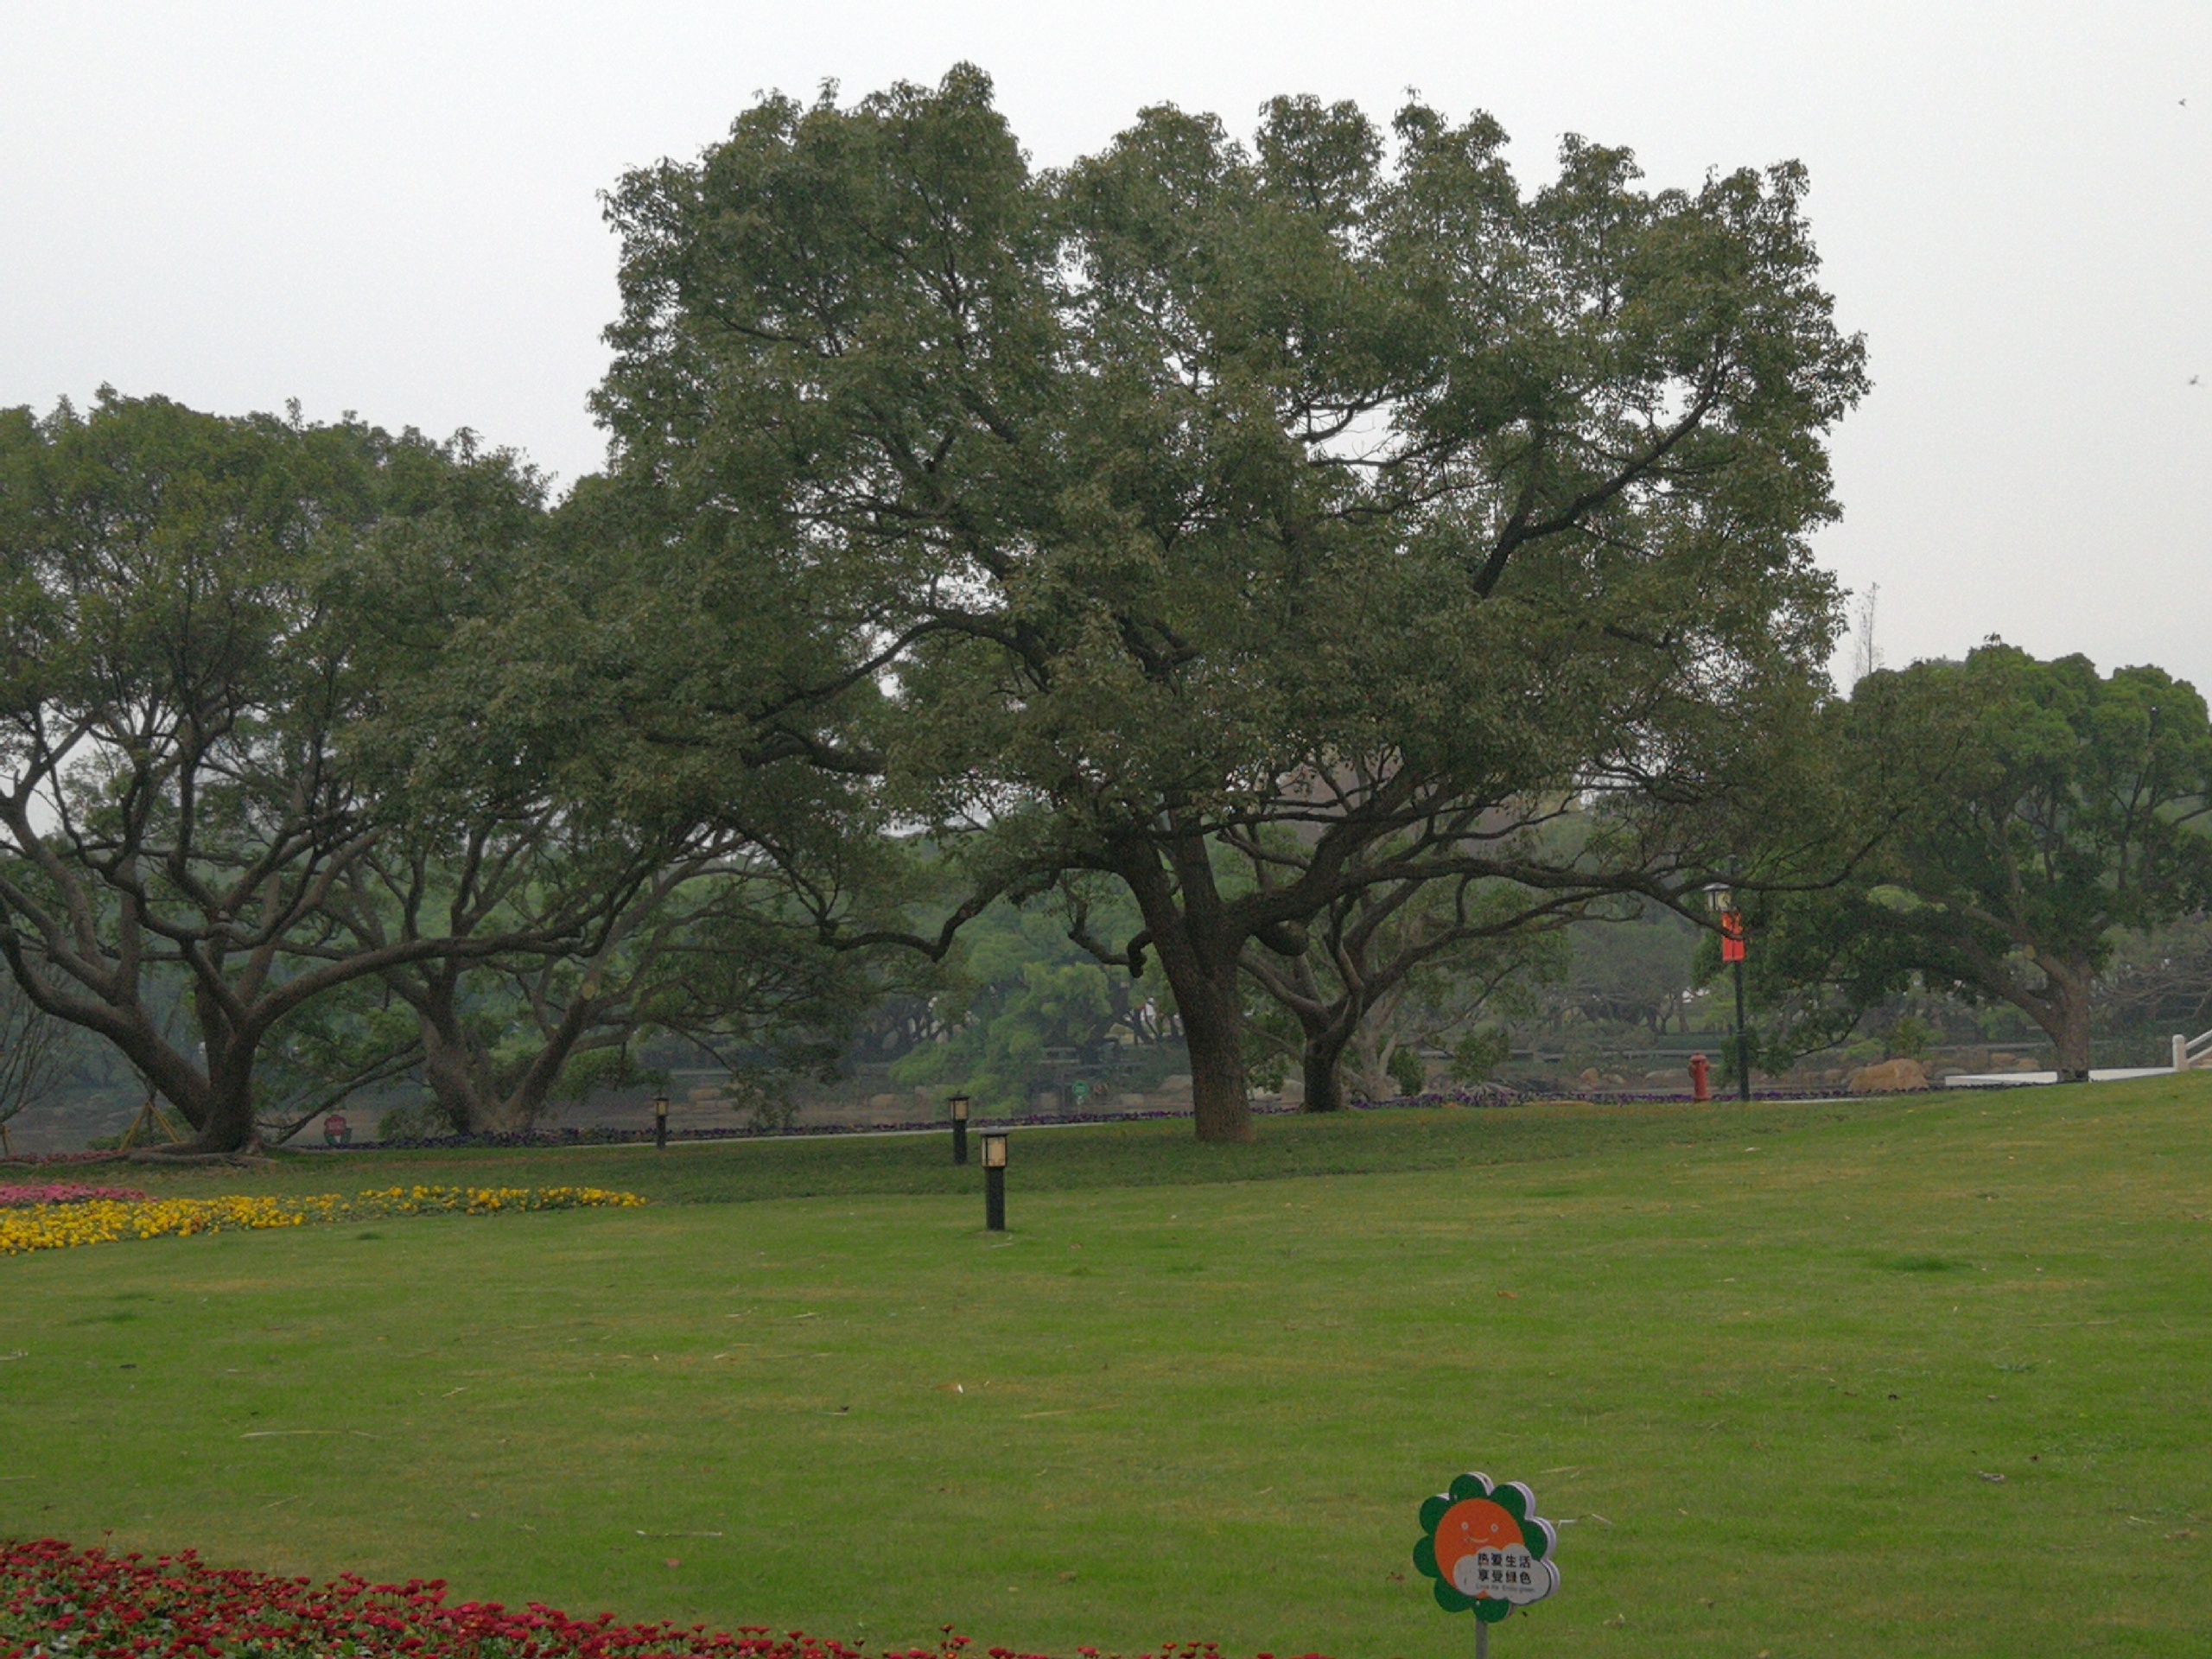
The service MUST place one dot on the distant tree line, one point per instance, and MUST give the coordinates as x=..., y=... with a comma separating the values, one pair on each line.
x=1299, y=577
x=2049, y=825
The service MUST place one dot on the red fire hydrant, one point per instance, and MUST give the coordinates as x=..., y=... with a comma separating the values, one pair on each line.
x=1700, y=1078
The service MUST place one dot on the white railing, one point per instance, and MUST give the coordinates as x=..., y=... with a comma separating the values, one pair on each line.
x=2192, y=1050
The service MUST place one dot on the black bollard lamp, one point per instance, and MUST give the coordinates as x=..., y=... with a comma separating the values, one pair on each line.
x=994, y=1180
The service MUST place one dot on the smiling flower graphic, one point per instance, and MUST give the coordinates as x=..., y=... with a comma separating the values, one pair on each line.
x=1486, y=1547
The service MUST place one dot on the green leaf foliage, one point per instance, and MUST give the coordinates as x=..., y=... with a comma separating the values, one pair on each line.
x=1203, y=488
x=2036, y=811
x=191, y=683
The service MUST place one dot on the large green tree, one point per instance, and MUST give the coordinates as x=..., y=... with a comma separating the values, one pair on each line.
x=2040, y=810
x=211, y=742
x=729, y=856
x=175, y=695
x=608, y=789
x=1300, y=498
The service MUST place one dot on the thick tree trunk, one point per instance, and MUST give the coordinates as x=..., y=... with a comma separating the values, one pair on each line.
x=1201, y=961
x=1324, y=1024
x=2061, y=1006
x=230, y=1124
x=1213, y=1030
x=471, y=1091
x=221, y=1107
x=217, y=1103
x=1324, y=1088
x=2068, y=1024
x=1327, y=1032
x=477, y=1095
x=453, y=1070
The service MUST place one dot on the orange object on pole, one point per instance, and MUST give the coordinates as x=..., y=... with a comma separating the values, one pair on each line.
x=1731, y=936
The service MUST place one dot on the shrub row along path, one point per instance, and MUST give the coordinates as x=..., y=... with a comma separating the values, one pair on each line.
x=1922, y=1376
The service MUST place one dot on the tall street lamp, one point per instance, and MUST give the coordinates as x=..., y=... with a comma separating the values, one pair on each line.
x=1732, y=952
x=994, y=1180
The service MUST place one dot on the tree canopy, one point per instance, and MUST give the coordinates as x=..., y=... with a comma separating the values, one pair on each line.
x=1298, y=500
x=2043, y=808
x=1310, y=569
x=299, y=748
x=179, y=793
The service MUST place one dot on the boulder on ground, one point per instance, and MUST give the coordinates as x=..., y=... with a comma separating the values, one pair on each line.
x=1889, y=1077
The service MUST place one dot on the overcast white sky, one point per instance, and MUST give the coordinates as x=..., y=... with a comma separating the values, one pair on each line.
x=393, y=209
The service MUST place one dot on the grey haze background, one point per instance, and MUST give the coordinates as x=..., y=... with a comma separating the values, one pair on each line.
x=391, y=209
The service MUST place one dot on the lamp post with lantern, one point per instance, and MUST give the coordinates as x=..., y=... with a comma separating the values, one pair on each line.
x=1723, y=900
x=660, y=1119
x=994, y=1180
x=959, y=1105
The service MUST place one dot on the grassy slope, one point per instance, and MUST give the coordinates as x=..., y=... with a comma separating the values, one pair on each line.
x=1769, y=1380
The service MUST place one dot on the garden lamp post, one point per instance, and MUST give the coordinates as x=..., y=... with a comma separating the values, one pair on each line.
x=1743, y=1044
x=994, y=1180
x=660, y=1119
x=959, y=1104
x=1732, y=952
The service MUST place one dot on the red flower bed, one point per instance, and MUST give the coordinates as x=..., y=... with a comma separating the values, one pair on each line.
x=67, y=1192
x=87, y=1603
x=56, y=1600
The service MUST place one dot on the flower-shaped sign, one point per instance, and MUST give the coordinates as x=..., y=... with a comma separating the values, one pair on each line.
x=1486, y=1547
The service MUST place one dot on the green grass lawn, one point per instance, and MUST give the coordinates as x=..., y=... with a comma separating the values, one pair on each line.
x=1763, y=1365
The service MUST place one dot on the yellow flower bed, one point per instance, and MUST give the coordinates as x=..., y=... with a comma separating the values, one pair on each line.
x=104, y=1221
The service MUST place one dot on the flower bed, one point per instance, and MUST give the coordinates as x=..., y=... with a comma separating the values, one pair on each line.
x=64, y=1193
x=55, y=1600
x=104, y=1221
